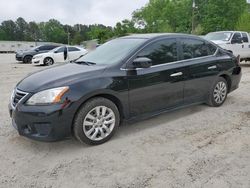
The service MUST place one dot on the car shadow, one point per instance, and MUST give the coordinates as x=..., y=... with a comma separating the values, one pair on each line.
x=245, y=64
x=126, y=129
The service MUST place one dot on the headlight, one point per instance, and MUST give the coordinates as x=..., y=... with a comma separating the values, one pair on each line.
x=37, y=57
x=49, y=96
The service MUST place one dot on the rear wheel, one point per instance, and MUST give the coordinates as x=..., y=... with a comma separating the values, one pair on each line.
x=48, y=61
x=218, y=93
x=27, y=59
x=96, y=121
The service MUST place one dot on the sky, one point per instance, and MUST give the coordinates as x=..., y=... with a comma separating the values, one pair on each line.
x=107, y=12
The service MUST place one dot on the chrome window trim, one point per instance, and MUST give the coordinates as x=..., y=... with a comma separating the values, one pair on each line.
x=13, y=96
x=175, y=62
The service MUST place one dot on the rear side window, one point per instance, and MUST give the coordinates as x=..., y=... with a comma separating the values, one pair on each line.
x=245, y=37
x=194, y=48
x=161, y=52
x=73, y=49
x=49, y=47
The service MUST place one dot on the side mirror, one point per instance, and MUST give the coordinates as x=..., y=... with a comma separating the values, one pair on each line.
x=55, y=52
x=237, y=41
x=142, y=62
x=37, y=50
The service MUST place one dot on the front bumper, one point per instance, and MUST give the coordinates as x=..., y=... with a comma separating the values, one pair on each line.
x=43, y=123
x=37, y=61
x=19, y=57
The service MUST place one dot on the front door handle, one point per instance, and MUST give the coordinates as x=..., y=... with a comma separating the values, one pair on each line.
x=212, y=67
x=176, y=74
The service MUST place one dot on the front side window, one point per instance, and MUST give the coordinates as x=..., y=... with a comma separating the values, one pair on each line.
x=59, y=50
x=161, y=52
x=194, y=48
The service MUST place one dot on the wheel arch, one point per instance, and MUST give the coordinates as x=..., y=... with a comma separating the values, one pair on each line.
x=228, y=79
x=109, y=96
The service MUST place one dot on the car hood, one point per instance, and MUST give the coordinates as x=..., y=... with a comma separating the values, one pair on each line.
x=42, y=54
x=62, y=75
x=219, y=42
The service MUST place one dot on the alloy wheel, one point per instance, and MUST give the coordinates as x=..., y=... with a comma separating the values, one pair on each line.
x=99, y=123
x=220, y=92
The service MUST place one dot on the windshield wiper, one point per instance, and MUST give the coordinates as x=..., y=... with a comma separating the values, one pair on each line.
x=85, y=62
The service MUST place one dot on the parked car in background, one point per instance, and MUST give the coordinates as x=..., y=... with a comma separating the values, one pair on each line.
x=59, y=55
x=26, y=56
x=237, y=42
x=126, y=78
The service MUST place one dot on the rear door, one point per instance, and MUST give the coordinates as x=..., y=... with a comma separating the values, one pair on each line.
x=199, y=57
x=160, y=86
x=245, y=46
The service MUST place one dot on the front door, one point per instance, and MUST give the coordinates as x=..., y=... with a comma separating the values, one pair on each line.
x=59, y=55
x=160, y=86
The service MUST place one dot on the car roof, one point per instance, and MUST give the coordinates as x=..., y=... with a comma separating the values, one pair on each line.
x=158, y=35
x=229, y=32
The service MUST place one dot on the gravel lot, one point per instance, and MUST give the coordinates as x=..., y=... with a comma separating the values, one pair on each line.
x=197, y=146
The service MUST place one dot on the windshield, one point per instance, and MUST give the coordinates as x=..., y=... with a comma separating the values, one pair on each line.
x=113, y=51
x=219, y=36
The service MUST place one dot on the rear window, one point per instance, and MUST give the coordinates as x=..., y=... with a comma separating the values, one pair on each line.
x=73, y=49
x=245, y=37
x=194, y=48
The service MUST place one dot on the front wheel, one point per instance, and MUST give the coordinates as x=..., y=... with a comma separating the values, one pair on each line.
x=27, y=59
x=96, y=121
x=48, y=61
x=218, y=93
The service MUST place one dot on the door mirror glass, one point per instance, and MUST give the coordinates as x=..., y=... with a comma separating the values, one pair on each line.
x=142, y=62
x=237, y=41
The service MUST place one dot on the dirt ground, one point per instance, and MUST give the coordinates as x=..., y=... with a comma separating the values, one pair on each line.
x=197, y=146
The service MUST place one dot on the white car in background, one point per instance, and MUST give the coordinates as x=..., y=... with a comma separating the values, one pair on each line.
x=59, y=55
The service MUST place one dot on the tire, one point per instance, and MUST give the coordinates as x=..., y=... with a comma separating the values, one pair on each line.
x=90, y=129
x=27, y=59
x=48, y=61
x=218, y=93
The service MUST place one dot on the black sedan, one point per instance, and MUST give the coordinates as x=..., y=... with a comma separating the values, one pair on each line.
x=124, y=79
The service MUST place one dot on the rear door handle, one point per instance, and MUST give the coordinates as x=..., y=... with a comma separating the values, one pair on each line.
x=212, y=67
x=176, y=74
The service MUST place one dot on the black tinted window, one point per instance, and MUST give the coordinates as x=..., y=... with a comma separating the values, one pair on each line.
x=164, y=51
x=245, y=37
x=73, y=49
x=194, y=48
x=236, y=36
x=47, y=47
x=60, y=50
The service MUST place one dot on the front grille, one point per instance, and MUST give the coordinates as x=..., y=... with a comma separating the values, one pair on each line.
x=17, y=96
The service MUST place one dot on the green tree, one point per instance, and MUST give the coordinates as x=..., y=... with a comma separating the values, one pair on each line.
x=244, y=22
x=54, y=32
x=21, y=29
x=9, y=28
x=34, y=33
x=220, y=14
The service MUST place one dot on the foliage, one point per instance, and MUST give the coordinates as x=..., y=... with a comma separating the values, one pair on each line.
x=155, y=16
x=243, y=23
